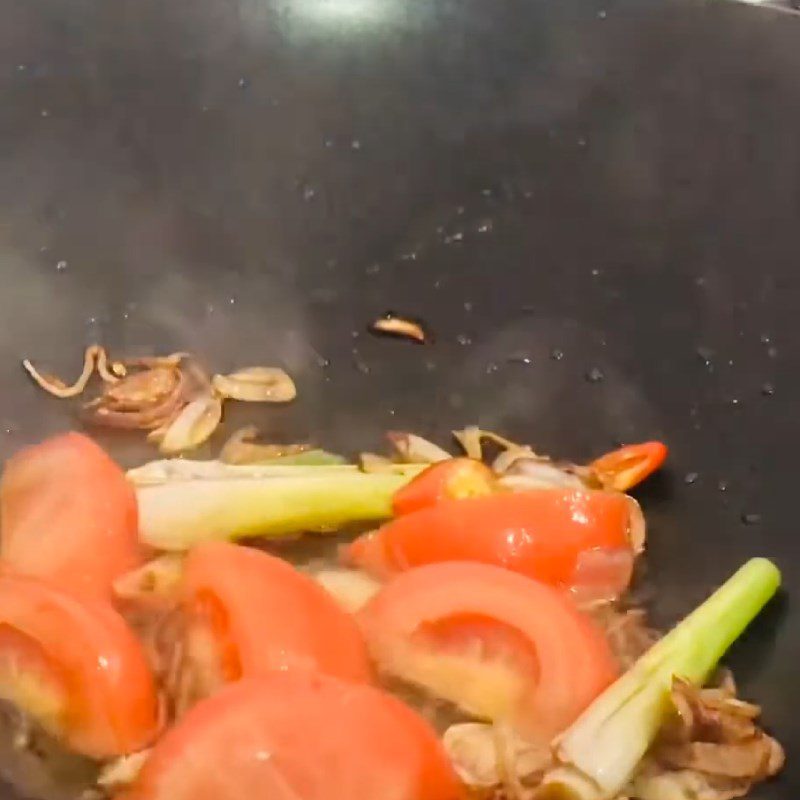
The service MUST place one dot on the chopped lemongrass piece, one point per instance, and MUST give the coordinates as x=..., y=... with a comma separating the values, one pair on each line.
x=178, y=514
x=171, y=470
x=599, y=753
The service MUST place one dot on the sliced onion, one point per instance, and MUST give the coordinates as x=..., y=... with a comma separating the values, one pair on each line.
x=485, y=756
x=602, y=575
x=156, y=581
x=399, y=326
x=122, y=771
x=55, y=386
x=256, y=385
x=351, y=588
x=142, y=389
x=637, y=531
x=142, y=419
x=416, y=450
x=193, y=426
x=240, y=449
x=471, y=440
x=534, y=473
x=149, y=362
x=109, y=373
x=371, y=462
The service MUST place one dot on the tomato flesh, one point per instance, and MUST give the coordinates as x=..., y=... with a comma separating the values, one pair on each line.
x=262, y=614
x=298, y=736
x=30, y=680
x=539, y=533
x=68, y=514
x=497, y=644
x=74, y=666
x=454, y=479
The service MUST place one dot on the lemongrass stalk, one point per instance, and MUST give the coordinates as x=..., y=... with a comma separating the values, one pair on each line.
x=599, y=753
x=178, y=514
x=170, y=470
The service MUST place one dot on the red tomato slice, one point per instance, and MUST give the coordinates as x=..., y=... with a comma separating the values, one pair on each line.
x=298, y=736
x=261, y=614
x=499, y=645
x=68, y=514
x=74, y=665
x=538, y=533
x=454, y=479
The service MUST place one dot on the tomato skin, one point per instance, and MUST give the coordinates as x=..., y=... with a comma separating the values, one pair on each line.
x=454, y=479
x=298, y=736
x=557, y=652
x=68, y=514
x=266, y=615
x=538, y=533
x=83, y=652
x=628, y=466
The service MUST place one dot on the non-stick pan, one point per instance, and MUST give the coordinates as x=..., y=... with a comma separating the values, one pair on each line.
x=593, y=204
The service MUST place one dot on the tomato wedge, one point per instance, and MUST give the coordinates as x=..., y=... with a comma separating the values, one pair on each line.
x=497, y=644
x=539, y=533
x=298, y=736
x=251, y=613
x=74, y=666
x=625, y=468
x=68, y=514
x=453, y=479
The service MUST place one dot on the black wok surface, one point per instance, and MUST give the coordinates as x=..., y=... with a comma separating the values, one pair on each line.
x=593, y=204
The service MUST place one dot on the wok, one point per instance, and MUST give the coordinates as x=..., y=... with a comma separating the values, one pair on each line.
x=592, y=203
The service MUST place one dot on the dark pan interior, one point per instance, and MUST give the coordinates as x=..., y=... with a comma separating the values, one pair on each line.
x=593, y=203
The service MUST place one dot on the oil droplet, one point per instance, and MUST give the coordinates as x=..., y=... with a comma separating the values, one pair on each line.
x=322, y=362
x=767, y=389
x=595, y=272
x=232, y=301
x=690, y=477
x=765, y=338
x=355, y=144
x=595, y=375
x=750, y=518
x=556, y=354
x=602, y=14
x=722, y=486
x=61, y=266
x=243, y=82
x=463, y=339
x=705, y=354
x=44, y=113
x=360, y=364
x=734, y=401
